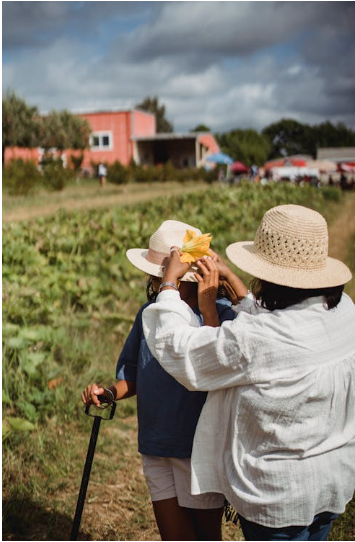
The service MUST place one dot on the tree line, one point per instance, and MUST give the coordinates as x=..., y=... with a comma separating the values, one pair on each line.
x=23, y=126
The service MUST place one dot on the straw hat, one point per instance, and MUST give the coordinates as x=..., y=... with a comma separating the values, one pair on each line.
x=290, y=248
x=152, y=260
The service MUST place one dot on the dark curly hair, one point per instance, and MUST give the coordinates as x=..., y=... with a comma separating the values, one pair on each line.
x=223, y=291
x=274, y=296
x=149, y=290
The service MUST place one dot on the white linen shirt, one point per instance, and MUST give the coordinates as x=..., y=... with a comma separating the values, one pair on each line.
x=277, y=433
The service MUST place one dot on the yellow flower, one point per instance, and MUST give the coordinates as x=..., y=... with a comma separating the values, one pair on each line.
x=195, y=247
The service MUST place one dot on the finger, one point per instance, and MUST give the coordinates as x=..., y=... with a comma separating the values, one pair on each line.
x=211, y=266
x=95, y=400
x=98, y=391
x=174, y=252
x=94, y=395
x=213, y=270
x=198, y=277
x=214, y=255
x=204, y=270
x=209, y=263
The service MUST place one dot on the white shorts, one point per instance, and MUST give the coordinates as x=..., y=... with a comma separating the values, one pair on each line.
x=169, y=477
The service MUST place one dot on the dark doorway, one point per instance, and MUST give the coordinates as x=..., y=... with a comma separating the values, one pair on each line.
x=161, y=154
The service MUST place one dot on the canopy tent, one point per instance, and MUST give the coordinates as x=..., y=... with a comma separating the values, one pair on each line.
x=239, y=167
x=279, y=173
x=220, y=158
x=348, y=167
x=288, y=161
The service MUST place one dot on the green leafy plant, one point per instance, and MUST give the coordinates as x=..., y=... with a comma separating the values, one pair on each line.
x=21, y=177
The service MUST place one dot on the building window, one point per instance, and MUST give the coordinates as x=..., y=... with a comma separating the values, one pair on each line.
x=101, y=141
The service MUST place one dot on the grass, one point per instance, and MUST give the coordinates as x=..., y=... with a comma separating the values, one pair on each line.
x=42, y=469
x=87, y=194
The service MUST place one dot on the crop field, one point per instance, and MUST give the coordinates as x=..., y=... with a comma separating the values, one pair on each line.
x=69, y=299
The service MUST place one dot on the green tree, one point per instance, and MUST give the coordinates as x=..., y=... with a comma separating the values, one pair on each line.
x=63, y=130
x=201, y=128
x=327, y=134
x=289, y=137
x=248, y=146
x=19, y=123
x=152, y=105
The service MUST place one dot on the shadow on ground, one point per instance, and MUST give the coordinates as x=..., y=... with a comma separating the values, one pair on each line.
x=24, y=519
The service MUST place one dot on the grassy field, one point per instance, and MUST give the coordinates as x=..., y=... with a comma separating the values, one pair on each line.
x=86, y=195
x=69, y=297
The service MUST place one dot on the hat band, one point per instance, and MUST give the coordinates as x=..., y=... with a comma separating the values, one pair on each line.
x=153, y=256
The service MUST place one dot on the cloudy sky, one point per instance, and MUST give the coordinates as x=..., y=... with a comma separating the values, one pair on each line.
x=224, y=64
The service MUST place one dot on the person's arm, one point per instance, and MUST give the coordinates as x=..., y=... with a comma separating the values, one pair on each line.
x=200, y=358
x=233, y=280
x=207, y=291
x=121, y=390
x=207, y=284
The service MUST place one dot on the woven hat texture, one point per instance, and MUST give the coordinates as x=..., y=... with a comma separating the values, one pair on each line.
x=152, y=260
x=290, y=248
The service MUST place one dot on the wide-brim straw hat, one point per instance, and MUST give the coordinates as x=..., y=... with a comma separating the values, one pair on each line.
x=152, y=260
x=291, y=249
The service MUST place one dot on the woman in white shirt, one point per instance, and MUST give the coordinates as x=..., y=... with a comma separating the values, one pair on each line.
x=277, y=433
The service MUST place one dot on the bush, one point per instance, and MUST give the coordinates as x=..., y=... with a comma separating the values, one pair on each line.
x=55, y=175
x=21, y=177
x=118, y=174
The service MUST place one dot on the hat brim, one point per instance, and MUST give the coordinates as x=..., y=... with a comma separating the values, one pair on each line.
x=244, y=256
x=138, y=257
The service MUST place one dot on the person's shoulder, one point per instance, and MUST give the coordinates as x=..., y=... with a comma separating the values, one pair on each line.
x=140, y=311
x=346, y=302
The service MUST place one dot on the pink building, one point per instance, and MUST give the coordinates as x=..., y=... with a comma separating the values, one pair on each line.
x=123, y=135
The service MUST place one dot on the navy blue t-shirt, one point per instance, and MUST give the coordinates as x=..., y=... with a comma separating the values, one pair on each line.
x=167, y=412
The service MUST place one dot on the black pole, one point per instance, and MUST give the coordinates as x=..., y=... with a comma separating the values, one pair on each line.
x=85, y=479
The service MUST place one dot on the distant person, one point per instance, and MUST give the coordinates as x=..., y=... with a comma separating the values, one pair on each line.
x=330, y=181
x=343, y=182
x=254, y=170
x=221, y=175
x=102, y=174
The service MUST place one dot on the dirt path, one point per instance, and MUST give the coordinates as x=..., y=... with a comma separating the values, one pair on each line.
x=81, y=201
x=342, y=228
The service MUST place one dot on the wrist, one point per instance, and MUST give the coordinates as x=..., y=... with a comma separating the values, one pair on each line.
x=170, y=277
x=168, y=285
x=111, y=393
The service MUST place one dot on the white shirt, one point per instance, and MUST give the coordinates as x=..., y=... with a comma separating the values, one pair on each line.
x=102, y=170
x=277, y=433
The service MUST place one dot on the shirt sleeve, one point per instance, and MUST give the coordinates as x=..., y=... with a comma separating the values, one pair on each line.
x=126, y=368
x=200, y=358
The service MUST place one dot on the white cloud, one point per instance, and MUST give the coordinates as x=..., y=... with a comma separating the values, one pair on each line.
x=225, y=64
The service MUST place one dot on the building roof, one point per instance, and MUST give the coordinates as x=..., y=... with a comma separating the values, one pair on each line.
x=108, y=111
x=169, y=135
x=336, y=154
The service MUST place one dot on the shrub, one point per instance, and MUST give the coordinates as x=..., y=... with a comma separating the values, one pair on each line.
x=118, y=174
x=55, y=175
x=21, y=177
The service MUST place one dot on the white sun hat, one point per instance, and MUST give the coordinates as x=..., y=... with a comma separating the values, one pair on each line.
x=291, y=249
x=152, y=260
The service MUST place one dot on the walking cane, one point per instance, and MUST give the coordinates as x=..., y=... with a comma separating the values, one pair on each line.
x=100, y=414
